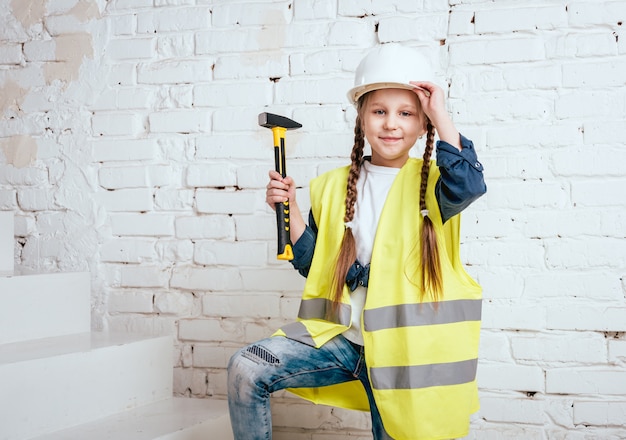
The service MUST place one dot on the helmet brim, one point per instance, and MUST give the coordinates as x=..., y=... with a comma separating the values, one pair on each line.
x=356, y=92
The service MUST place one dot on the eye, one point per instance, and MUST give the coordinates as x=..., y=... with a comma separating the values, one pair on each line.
x=405, y=114
x=379, y=112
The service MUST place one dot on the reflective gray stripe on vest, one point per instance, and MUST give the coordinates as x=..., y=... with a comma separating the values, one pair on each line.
x=407, y=315
x=423, y=376
x=298, y=332
x=316, y=308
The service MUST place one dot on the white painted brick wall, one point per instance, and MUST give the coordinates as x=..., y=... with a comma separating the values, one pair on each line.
x=129, y=145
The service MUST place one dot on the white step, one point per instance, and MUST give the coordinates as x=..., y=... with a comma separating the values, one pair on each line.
x=42, y=306
x=56, y=383
x=172, y=419
x=7, y=229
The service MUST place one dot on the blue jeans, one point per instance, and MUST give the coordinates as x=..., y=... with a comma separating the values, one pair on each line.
x=272, y=364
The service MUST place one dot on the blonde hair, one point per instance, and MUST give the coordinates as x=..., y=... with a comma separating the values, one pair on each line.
x=431, y=278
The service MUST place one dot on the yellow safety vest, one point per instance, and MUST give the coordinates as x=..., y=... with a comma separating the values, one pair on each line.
x=421, y=357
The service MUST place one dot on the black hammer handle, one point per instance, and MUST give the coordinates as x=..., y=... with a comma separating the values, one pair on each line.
x=284, y=251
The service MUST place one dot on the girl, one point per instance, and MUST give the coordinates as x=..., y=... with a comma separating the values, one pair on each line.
x=389, y=319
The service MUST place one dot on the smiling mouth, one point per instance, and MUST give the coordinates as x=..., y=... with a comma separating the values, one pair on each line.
x=390, y=139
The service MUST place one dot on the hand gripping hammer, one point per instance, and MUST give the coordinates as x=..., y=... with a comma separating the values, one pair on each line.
x=279, y=125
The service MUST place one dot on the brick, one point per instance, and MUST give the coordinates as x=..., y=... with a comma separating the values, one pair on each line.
x=504, y=50
x=594, y=73
x=175, y=251
x=175, y=46
x=128, y=251
x=135, y=199
x=173, y=199
x=8, y=199
x=19, y=177
x=581, y=254
x=322, y=91
x=131, y=48
x=211, y=175
x=597, y=193
x=422, y=28
x=587, y=317
x=507, y=254
x=135, y=176
x=235, y=119
x=527, y=194
x=567, y=283
x=537, y=134
x=174, y=303
x=122, y=24
x=145, y=225
x=248, y=306
x=223, y=94
x=509, y=410
x=261, y=65
x=601, y=414
x=356, y=8
x=205, y=278
x=209, y=226
x=353, y=33
x=586, y=380
x=250, y=14
x=318, y=9
x=226, y=201
x=36, y=199
x=586, y=13
x=180, y=121
x=122, y=74
x=234, y=146
x=130, y=302
x=575, y=347
x=461, y=22
x=211, y=253
x=582, y=45
x=501, y=376
x=174, y=20
x=515, y=316
x=143, y=276
x=175, y=72
x=284, y=279
x=617, y=350
x=596, y=104
x=315, y=63
x=256, y=227
x=501, y=20
x=208, y=330
x=211, y=357
x=124, y=150
x=604, y=132
x=116, y=124
x=11, y=54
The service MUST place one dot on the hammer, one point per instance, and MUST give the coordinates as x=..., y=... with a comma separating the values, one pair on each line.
x=279, y=125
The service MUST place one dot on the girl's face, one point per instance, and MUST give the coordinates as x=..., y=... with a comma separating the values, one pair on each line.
x=392, y=121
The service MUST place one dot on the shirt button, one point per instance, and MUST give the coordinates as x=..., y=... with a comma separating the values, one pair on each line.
x=477, y=164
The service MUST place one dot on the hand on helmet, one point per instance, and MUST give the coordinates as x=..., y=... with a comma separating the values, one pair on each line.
x=432, y=99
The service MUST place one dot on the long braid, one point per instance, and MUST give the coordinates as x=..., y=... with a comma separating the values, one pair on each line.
x=431, y=266
x=347, y=252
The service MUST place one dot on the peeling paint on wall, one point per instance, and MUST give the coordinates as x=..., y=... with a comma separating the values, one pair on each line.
x=28, y=12
x=20, y=151
x=85, y=11
x=11, y=96
x=70, y=51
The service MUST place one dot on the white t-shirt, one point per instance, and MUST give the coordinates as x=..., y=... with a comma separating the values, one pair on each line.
x=372, y=189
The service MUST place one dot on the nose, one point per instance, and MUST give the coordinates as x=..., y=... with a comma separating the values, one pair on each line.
x=390, y=122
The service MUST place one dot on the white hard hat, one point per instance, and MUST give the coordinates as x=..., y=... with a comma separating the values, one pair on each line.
x=389, y=66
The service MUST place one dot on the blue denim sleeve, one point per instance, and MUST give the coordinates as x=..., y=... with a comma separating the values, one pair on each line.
x=304, y=248
x=461, y=181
